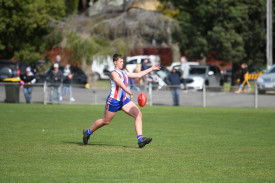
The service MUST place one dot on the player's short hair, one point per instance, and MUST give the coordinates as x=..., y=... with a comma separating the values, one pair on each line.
x=116, y=57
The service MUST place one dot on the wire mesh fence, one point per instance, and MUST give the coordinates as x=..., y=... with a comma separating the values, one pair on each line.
x=208, y=97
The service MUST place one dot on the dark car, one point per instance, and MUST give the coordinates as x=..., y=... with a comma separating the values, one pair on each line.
x=227, y=74
x=23, y=66
x=79, y=77
x=9, y=69
x=43, y=70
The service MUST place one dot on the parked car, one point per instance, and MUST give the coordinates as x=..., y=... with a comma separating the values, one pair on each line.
x=41, y=69
x=102, y=66
x=9, y=69
x=208, y=75
x=163, y=77
x=266, y=82
x=181, y=66
x=42, y=66
x=132, y=62
x=227, y=74
x=184, y=68
x=162, y=73
x=79, y=77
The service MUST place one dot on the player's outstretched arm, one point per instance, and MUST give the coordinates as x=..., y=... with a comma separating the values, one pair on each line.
x=143, y=73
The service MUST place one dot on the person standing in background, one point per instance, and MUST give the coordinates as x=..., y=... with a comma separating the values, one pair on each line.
x=67, y=87
x=67, y=83
x=27, y=80
x=144, y=64
x=174, y=78
x=55, y=80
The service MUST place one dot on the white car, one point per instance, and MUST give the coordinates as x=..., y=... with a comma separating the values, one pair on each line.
x=101, y=67
x=132, y=62
x=200, y=75
x=185, y=66
x=266, y=82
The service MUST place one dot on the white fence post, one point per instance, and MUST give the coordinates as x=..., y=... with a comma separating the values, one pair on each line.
x=150, y=94
x=256, y=96
x=45, y=93
x=203, y=96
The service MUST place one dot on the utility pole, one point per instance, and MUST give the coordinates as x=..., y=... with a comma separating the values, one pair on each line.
x=269, y=38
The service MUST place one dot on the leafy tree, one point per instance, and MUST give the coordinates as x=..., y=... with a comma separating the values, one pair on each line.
x=223, y=26
x=23, y=24
x=109, y=30
x=230, y=30
x=71, y=6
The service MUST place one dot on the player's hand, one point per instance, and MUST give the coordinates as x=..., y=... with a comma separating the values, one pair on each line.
x=131, y=96
x=156, y=67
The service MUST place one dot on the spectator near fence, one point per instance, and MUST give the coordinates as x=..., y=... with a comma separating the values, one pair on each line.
x=174, y=80
x=144, y=64
x=67, y=83
x=55, y=82
x=26, y=82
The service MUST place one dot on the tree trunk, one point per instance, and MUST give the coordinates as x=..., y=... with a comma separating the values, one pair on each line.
x=87, y=68
x=176, y=52
x=203, y=60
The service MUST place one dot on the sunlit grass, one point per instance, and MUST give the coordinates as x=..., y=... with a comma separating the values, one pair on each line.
x=190, y=144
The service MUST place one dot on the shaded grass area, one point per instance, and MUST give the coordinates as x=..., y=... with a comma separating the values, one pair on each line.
x=190, y=144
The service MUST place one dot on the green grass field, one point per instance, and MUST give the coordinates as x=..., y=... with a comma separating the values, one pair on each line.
x=190, y=144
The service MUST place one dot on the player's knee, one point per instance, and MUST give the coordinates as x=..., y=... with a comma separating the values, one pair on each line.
x=106, y=122
x=139, y=115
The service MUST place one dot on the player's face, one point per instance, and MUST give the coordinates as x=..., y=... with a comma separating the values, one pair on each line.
x=119, y=64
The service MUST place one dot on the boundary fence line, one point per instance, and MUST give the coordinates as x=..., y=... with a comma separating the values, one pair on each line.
x=153, y=94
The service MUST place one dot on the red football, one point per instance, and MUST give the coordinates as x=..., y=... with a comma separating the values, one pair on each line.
x=142, y=99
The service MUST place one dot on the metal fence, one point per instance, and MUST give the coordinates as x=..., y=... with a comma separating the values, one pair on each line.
x=208, y=97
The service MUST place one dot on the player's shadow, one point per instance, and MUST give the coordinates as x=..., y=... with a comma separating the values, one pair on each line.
x=100, y=144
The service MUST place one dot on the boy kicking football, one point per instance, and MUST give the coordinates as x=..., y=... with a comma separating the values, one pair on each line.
x=118, y=100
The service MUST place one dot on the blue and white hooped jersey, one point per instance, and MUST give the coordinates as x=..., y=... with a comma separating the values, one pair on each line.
x=116, y=92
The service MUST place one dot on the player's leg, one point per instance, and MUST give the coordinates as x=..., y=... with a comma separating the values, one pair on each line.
x=111, y=107
x=132, y=110
x=108, y=116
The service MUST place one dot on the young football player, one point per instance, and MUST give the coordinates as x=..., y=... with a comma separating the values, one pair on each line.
x=118, y=100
